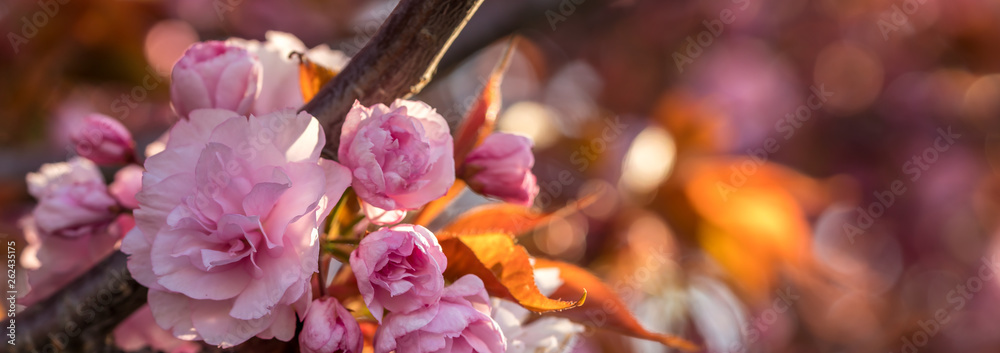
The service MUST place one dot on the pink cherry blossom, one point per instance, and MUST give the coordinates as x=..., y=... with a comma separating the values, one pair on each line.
x=104, y=140
x=215, y=74
x=328, y=328
x=399, y=269
x=127, y=183
x=226, y=236
x=401, y=156
x=501, y=167
x=72, y=198
x=460, y=322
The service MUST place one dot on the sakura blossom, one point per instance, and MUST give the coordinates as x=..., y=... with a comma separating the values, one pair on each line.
x=460, y=322
x=401, y=156
x=399, y=269
x=228, y=247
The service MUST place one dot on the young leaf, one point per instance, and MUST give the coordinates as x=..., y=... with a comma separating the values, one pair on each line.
x=479, y=121
x=603, y=309
x=506, y=218
x=502, y=218
x=504, y=267
x=312, y=76
x=434, y=208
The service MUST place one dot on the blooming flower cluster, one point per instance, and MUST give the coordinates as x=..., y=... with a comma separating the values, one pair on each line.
x=226, y=219
x=400, y=269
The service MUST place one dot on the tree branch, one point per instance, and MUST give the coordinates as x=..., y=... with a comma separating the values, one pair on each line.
x=80, y=317
x=396, y=63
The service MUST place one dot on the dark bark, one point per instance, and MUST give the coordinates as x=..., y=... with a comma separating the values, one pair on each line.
x=81, y=316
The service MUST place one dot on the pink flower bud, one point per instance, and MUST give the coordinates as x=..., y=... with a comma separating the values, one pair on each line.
x=501, y=167
x=128, y=182
x=215, y=74
x=103, y=140
x=72, y=198
x=328, y=328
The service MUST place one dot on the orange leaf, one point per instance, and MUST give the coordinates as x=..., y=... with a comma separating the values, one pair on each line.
x=504, y=267
x=368, y=329
x=434, y=208
x=603, y=309
x=312, y=76
x=506, y=218
x=479, y=122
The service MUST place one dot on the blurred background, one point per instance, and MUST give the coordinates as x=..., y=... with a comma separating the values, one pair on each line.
x=773, y=176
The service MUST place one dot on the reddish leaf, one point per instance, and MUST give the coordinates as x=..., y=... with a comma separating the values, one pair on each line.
x=506, y=218
x=479, y=121
x=603, y=309
x=434, y=208
x=504, y=267
x=368, y=329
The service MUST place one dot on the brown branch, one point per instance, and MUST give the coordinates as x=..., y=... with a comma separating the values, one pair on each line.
x=80, y=317
x=396, y=63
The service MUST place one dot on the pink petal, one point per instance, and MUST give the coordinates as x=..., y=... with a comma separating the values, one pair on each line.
x=261, y=294
x=172, y=312
x=140, y=264
x=382, y=217
x=218, y=328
